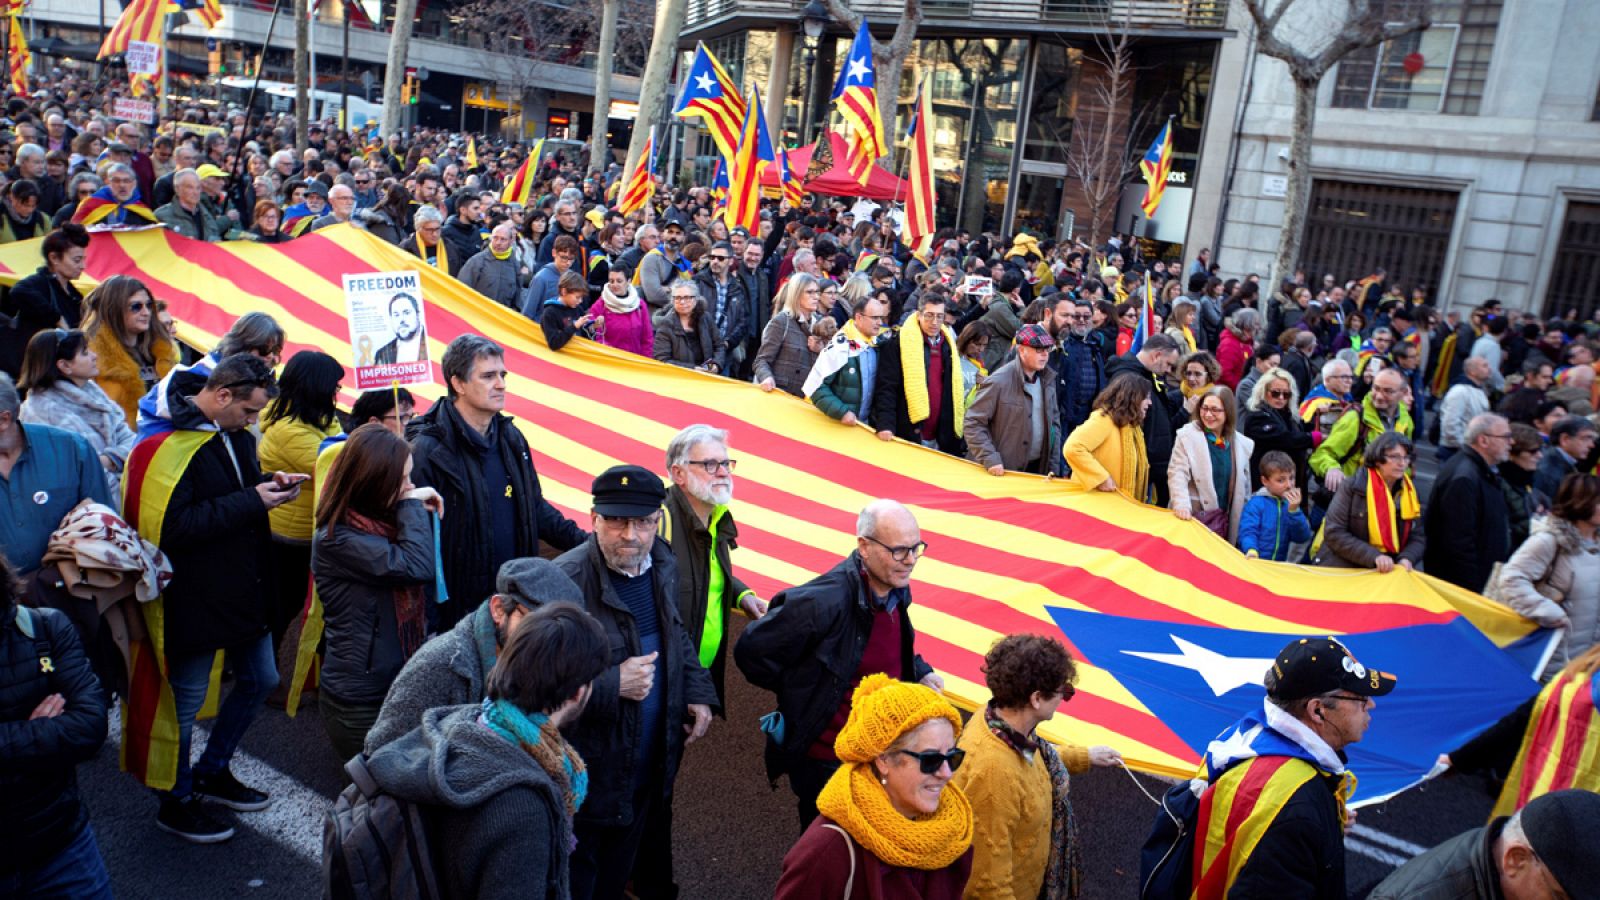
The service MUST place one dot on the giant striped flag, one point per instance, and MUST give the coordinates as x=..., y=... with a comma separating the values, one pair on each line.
x=710, y=93
x=1156, y=166
x=855, y=94
x=519, y=187
x=17, y=57
x=753, y=155
x=1167, y=621
x=641, y=184
x=141, y=20
x=921, y=201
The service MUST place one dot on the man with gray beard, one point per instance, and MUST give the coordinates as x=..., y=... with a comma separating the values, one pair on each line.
x=652, y=699
x=700, y=527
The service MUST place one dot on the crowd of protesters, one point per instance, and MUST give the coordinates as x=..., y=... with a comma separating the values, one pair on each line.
x=542, y=707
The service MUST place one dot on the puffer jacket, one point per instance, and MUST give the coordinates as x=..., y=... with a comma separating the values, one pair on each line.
x=356, y=574
x=39, y=782
x=785, y=355
x=808, y=647
x=290, y=445
x=610, y=727
x=449, y=670
x=1538, y=581
x=1460, y=867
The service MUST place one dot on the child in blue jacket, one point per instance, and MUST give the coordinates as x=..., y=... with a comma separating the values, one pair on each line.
x=1272, y=519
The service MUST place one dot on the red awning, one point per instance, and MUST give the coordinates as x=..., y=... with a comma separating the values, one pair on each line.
x=837, y=182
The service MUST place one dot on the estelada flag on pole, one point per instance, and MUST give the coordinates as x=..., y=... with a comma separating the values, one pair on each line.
x=753, y=154
x=921, y=201
x=641, y=184
x=787, y=178
x=855, y=94
x=1156, y=166
x=141, y=20
x=519, y=189
x=711, y=94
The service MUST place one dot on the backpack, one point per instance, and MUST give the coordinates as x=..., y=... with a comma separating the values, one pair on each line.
x=375, y=845
x=1166, y=861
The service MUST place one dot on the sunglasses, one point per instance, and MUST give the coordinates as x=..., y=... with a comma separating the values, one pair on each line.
x=1278, y=395
x=929, y=761
x=139, y=306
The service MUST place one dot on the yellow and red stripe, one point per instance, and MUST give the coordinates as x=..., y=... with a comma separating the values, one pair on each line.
x=921, y=200
x=519, y=188
x=18, y=58
x=723, y=115
x=1234, y=814
x=141, y=20
x=640, y=184
x=1561, y=747
x=1001, y=553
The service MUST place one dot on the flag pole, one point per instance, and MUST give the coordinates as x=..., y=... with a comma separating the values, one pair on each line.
x=166, y=63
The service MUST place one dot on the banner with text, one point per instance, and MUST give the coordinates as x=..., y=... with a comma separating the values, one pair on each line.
x=388, y=333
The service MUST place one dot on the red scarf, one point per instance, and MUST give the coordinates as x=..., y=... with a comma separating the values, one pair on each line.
x=410, y=601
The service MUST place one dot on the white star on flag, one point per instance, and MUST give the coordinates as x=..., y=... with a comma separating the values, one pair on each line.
x=859, y=70
x=704, y=82
x=1236, y=746
x=1221, y=673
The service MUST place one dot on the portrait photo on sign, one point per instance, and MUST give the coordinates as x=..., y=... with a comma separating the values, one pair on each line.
x=388, y=328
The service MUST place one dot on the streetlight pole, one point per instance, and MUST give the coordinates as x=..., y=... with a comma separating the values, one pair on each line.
x=813, y=19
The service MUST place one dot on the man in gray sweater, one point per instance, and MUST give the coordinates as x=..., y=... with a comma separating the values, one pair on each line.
x=450, y=669
x=494, y=271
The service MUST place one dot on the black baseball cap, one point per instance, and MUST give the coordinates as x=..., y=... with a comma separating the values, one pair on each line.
x=632, y=491
x=1308, y=667
x=1559, y=827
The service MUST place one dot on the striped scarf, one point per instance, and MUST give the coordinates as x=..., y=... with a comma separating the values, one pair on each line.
x=1385, y=529
x=539, y=738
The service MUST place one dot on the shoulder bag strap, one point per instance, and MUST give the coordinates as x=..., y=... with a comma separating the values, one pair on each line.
x=850, y=882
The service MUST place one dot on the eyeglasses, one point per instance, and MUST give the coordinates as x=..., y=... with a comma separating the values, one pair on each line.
x=1351, y=697
x=138, y=306
x=403, y=419
x=930, y=761
x=901, y=554
x=624, y=523
x=713, y=466
x=931, y=317
x=1398, y=458
x=716, y=258
x=1279, y=395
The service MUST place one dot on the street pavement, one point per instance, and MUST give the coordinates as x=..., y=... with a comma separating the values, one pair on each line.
x=731, y=829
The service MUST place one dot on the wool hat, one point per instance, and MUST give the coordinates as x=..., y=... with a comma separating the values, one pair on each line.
x=884, y=708
x=1559, y=827
x=533, y=582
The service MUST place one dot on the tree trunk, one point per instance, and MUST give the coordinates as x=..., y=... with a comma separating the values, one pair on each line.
x=394, y=73
x=890, y=70
x=604, y=56
x=657, y=73
x=1297, y=194
x=302, y=74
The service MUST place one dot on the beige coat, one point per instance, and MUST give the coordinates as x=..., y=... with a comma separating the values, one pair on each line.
x=1189, y=475
x=1540, y=581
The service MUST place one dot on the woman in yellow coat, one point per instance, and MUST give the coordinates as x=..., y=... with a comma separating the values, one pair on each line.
x=1107, y=452
x=135, y=349
x=293, y=428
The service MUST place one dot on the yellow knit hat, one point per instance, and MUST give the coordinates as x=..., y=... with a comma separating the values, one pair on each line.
x=884, y=708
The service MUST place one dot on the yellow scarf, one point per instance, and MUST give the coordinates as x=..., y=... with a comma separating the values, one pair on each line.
x=1193, y=392
x=441, y=258
x=916, y=375
x=1134, y=479
x=501, y=256
x=854, y=799
x=851, y=332
x=1386, y=530
x=1188, y=337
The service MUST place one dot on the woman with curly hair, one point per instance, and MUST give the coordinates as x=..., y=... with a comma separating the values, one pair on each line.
x=134, y=347
x=1107, y=451
x=1018, y=784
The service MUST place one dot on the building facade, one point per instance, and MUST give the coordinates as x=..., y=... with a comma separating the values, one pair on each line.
x=1019, y=99
x=1464, y=159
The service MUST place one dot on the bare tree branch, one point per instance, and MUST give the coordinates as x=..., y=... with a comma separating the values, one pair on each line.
x=890, y=58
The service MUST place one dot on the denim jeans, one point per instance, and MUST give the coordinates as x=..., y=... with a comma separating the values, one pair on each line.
x=255, y=674
x=76, y=873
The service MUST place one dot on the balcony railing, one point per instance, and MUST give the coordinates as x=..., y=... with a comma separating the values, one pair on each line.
x=1135, y=14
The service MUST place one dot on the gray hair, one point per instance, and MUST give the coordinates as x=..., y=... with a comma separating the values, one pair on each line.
x=856, y=288
x=689, y=438
x=29, y=151
x=1245, y=319
x=427, y=214
x=185, y=175
x=867, y=522
x=1258, y=394
x=9, y=401
x=572, y=195
x=255, y=331
x=1480, y=425
x=565, y=206
x=1331, y=367
x=120, y=169
x=465, y=350
x=644, y=231
x=804, y=256
x=82, y=178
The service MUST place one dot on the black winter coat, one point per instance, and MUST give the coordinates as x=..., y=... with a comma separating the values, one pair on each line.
x=356, y=575
x=609, y=729
x=448, y=460
x=1271, y=430
x=219, y=541
x=1467, y=521
x=1067, y=362
x=758, y=296
x=736, y=327
x=808, y=646
x=889, y=411
x=35, y=303
x=465, y=239
x=39, y=782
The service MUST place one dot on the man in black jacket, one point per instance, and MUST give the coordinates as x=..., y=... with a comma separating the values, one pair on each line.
x=472, y=454
x=922, y=409
x=724, y=300
x=52, y=717
x=464, y=230
x=1078, y=364
x=652, y=699
x=821, y=638
x=216, y=534
x=752, y=277
x=1466, y=521
x=1153, y=361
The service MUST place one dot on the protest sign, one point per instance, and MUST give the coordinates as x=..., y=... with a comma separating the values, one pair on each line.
x=134, y=110
x=142, y=58
x=388, y=334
